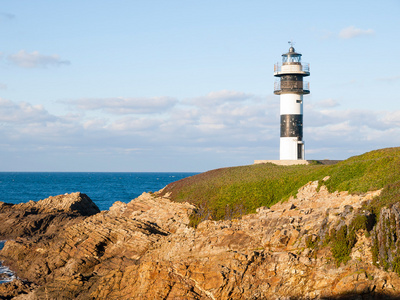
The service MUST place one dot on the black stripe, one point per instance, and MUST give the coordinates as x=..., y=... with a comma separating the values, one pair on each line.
x=292, y=126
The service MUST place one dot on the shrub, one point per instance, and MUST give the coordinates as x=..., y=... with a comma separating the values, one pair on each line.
x=343, y=240
x=341, y=244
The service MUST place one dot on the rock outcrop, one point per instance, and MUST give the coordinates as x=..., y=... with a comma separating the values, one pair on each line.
x=16, y=288
x=386, y=239
x=146, y=250
x=45, y=216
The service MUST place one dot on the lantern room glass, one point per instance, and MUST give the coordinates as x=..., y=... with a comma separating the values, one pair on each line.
x=291, y=58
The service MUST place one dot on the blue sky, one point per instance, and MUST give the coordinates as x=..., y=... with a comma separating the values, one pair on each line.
x=188, y=85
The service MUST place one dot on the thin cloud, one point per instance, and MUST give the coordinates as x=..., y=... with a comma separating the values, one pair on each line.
x=125, y=106
x=229, y=113
x=228, y=95
x=27, y=60
x=323, y=117
x=389, y=78
x=346, y=33
x=6, y=16
x=327, y=103
x=392, y=118
x=23, y=113
x=218, y=97
x=325, y=34
x=250, y=126
x=352, y=32
x=138, y=125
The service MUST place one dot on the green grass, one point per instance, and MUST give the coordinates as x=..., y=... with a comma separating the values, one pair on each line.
x=389, y=196
x=370, y=171
x=232, y=192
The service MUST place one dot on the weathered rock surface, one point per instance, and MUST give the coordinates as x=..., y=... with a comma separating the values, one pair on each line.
x=386, y=238
x=10, y=290
x=44, y=216
x=146, y=250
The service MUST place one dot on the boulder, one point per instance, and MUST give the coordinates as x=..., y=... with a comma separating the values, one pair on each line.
x=45, y=216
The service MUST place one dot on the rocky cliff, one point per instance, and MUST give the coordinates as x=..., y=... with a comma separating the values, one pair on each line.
x=44, y=217
x=64, y=248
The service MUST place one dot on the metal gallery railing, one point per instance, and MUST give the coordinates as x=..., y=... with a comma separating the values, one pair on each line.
x=304, y=67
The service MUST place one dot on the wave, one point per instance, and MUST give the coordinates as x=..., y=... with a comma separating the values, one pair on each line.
x=6, y=275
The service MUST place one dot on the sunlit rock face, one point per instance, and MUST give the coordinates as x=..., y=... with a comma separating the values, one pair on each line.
x=146, y=250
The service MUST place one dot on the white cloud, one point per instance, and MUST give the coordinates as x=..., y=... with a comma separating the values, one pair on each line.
x=95, y=123
x=392, y=118
x=320, y=117
x=352, y=32
x=125, y=106
x=23, y=113
x=218, y=97
x=27, y=60
x=245, y=129
x=129, y=125
x=225, y=95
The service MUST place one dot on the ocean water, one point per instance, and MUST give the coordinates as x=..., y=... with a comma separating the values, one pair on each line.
x=103, y=188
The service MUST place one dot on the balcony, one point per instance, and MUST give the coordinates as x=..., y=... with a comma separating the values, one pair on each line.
x=292, y=68
x=295, y=87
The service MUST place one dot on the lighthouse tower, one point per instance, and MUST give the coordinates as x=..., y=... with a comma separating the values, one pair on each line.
x=291, y=88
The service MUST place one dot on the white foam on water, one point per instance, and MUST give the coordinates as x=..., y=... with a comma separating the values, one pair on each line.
x=6, y=275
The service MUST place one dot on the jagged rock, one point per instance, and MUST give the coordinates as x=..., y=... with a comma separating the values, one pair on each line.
x=70, y=203
x=44, y=216
x=146, y=250
x=11, y=290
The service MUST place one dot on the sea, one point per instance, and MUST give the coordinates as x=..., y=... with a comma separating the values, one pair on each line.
x=104, y=188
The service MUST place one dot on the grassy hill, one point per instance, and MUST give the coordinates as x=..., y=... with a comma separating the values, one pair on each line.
x=231, y=192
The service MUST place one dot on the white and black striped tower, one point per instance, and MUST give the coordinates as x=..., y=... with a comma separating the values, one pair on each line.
x=291, y=88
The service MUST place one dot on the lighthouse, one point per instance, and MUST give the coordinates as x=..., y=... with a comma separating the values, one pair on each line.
x=290, y=87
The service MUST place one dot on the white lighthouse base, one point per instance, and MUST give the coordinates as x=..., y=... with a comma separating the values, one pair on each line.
x=291, y=149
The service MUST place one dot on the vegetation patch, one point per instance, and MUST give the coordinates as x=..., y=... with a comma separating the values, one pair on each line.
x=389, y=196
x=229, y=193
x=312, y=242
x=232, y=192
x=371, y=171
x=343, y=240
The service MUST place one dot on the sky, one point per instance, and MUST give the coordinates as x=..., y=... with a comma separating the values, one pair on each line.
x=187, y=85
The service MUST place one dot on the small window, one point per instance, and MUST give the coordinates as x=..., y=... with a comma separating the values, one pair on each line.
x=298, y=101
